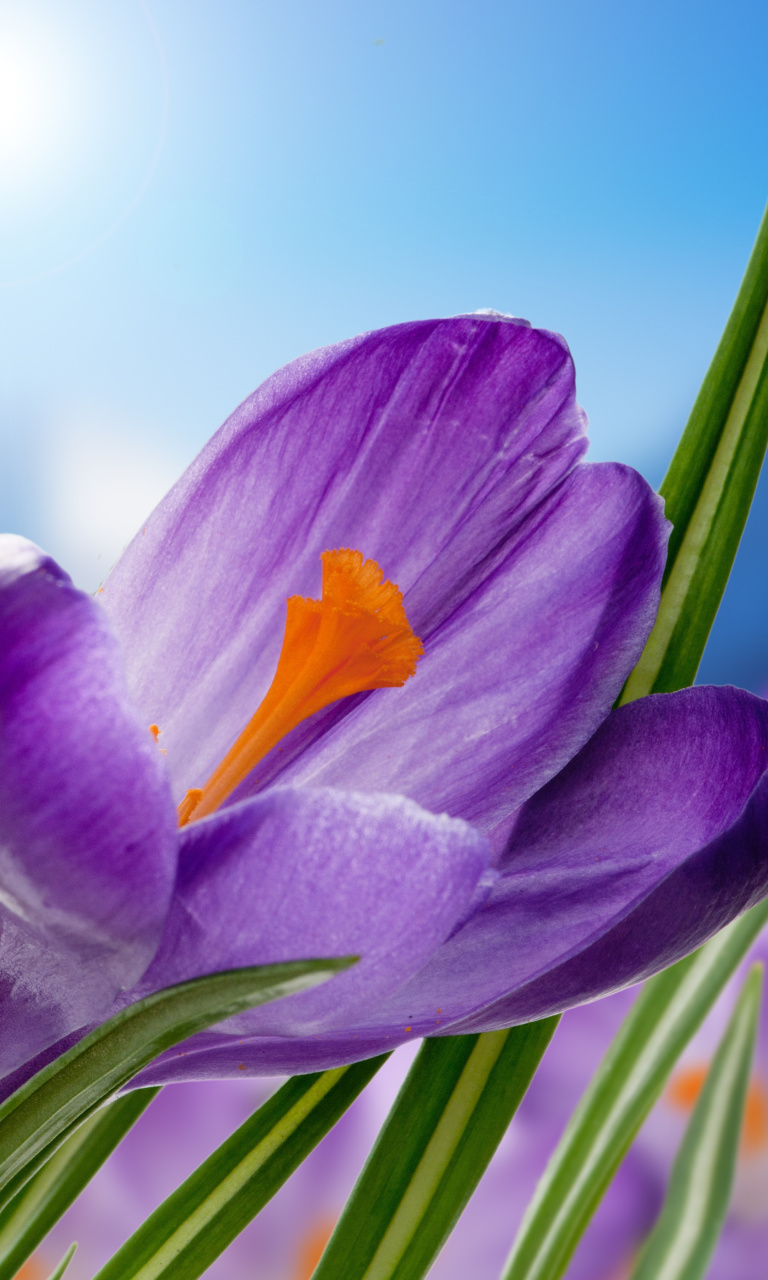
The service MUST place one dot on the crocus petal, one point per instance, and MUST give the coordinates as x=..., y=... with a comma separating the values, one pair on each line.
x=512, y=686
x=424, y=445
x=652, y=839
x=314, y=873
x=444, y=449
x=87, y=838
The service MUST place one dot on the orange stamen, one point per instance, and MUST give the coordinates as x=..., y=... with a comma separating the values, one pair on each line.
x=686, y=1085
x=356, y=637
x=155, y=731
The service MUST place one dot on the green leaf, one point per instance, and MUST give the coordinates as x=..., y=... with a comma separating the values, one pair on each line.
x=68, y=1256
x=684, y=1237
x=29, y=1216
x=45, y=1110
x=709, y=486
x=195, y=1224
x=449, y=1117
x=668, y=1011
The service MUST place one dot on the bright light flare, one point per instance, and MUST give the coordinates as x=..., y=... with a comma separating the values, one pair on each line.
x=23, y=101
x=35, y=113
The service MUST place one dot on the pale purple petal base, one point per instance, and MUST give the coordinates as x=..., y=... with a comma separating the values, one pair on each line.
x=87, y=827
x=301, y=874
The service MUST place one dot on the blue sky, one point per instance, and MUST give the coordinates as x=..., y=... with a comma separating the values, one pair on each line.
x=193, y=193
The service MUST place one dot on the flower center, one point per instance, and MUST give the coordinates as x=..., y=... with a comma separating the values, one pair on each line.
x=686, y=1085
x=354, y=638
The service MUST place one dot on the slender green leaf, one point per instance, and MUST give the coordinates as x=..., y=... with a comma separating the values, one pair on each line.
x=29, y=1216
x=684, y=1237
x=195, y=1224
x=668, y=1011
x=709, y=486
x=49, y=1106
x=448, y=1120
x=68, y=1256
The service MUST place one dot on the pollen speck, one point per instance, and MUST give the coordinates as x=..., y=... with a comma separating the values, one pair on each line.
x=188, y=805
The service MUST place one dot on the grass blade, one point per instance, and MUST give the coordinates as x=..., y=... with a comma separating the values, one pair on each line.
x=449, y=1117
x=709, y=486
x=68, y=1256
x=684, y=1237
x=668, y=1011
x=29, y=1216
x=194, y=1225
x=48, y=1107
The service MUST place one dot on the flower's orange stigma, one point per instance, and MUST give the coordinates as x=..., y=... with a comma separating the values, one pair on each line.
x=356, y=637
x=686, y=1085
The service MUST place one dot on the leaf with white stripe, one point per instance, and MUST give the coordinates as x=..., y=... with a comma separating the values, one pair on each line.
x=29, y=1216
x=48, y=1108
x=202, y=1217
x=709, y=486
x=630, y=1079
x=68, y=1256
x=684, y=1237
x=447, y=1121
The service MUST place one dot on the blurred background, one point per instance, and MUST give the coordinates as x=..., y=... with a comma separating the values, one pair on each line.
x=191, y=194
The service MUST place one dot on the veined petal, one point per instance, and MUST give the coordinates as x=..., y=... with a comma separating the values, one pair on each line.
x=652, y=839
x=425, y=446
x=87, y=830
x=311, y=873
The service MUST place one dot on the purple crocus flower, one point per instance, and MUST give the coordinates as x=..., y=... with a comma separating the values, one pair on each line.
x=490, y=839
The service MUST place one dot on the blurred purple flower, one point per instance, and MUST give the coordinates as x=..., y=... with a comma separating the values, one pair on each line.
x=491, y=840
x=187, y=1121
x=179, y=1130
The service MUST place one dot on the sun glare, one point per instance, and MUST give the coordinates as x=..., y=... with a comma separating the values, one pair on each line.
x=27, y=117
x=83, y=108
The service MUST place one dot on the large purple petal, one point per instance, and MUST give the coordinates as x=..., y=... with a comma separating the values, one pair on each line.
x=424, y=445
x=651, y=840
x=87, y=827
x=440, y=448
x=314, y=873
